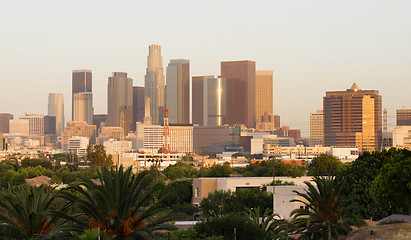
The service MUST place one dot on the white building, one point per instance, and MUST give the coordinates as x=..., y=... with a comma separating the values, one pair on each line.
x=153, y=136
x=78, y=145
x=401, y=137
x=181, y=138
x=344, y=154
x=116, y=147
x=19, y=127
x=145, y=160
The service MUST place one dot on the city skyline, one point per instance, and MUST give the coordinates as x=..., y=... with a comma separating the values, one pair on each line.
x=314, y=43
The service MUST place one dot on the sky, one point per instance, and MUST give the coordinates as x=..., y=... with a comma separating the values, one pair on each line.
x=312, y=47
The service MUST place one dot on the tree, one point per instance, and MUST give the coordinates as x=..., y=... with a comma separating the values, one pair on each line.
x=392, y=186
x=269, y=168
x=97, y=156
x=218, y=170
x=27, y=212
x=326, y=213
x=324, y=165
x=180, y=170
x=264, y=221
x=124, y=205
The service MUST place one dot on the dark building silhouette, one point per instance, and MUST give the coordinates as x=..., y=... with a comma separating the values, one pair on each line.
x=138, y=106
x=4, y=122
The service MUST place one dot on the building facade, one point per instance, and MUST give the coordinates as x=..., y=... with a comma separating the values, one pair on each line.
x=181, y=138
x=80, y=129
x=240, y=76
x=120, y=101
x=353, y=118
x=4, y=122
x=401, y=136
x=19, y=127
x=178, y=91
x=83, y=107
x=138, y=105
x=268, y=122
x=209, y=105
x=317, y=128
x=155, y=84
x=404, y=117
x=78, y=145
x=81, y=82
x=56, y=109
x=36, y=124
x=263, y=93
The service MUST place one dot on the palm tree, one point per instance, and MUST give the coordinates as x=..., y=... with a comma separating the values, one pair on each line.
x=326, y=213
x=26, y=212
x=265, y=221
x=123, y=205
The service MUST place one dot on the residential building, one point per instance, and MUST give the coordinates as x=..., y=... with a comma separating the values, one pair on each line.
x=138, y=105
x=83, y=107
x=240, y=77
x=120, y=101
x=81, y=82
x=404, y=117
x=263, y=93
x=4, y=122
x=353, y=118
x=80, y=129
x=317, y=128
x=56, y=109
x=154, y=85
x=209, y=100
x=36, y=124
x=178, y=91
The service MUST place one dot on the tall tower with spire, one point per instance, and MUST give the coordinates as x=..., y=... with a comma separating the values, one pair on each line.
x=155, y=83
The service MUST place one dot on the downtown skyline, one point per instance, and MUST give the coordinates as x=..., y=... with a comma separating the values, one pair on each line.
x=311, y=52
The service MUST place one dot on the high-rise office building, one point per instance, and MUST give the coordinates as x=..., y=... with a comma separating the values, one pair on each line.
x=83, y=107
x=50, y=125
x=209, y=100
x=263, y=93
x=56, y=109
x=178, y=91
x=404, y=117
x=240, y=76
x=81, y=82
x=155, y=83
x=138, y=105
x=317, y=128
x=353, y=118
x=36, y=124
x=120, y=101
x=99, y=120
x=4, y=122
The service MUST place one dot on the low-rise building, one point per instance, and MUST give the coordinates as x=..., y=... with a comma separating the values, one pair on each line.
x=117, y=147
x=78, y=145
x=144, y=160
x=401, y=136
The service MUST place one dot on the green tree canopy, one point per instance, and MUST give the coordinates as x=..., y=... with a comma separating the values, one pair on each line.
x=97, y=156
x=324, y=165
x=269, y=168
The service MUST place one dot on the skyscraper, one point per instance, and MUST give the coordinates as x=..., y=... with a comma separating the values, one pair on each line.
x=209, y=100
x=353, y=118
x=81, y=82
x=56, y=109
x=240, y=77
x=36, y=124
x=83, y=107
x=120, y=101
x=263, y=93
x=178, y=91
x=404, y=117
x=155, y=83
x=4, y=122
x=317, y=128
x=138, y=105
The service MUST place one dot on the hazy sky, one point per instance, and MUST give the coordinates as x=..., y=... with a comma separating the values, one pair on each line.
x=312, y=47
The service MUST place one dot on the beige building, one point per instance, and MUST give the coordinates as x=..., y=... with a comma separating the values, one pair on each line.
x=81, y=129
x=120, y=101
x=404, y=117
x=83, y=107
x=268, y=122
x=299, y=150
x=263, y=93
x=36, y=124
x=56, y=109
x=154, y=87
x=317, y=128
x=181, y=138
x=107, y=132
x=19, y=127
x=78, y=145
x=401, y=137
x=115, y=147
